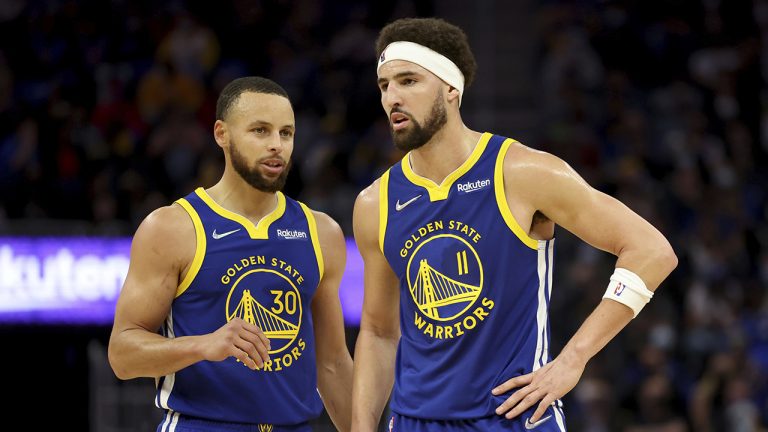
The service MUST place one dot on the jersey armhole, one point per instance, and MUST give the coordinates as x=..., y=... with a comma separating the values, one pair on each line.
x=315, y=240
x=197, y=261
x=383, y=208
x=501, y=198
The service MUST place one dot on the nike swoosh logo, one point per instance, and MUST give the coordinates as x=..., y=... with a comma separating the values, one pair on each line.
x=399, y=206
x=529, y=425
x=222, y=235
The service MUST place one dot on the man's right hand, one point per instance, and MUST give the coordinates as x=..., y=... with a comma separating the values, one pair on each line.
x=239, y=339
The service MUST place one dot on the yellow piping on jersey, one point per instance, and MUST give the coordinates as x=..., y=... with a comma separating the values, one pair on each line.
x=501, y=198
x=256, y=232
x=315, y=239
x=440, y=192
x=197, y=261
x=383, y=204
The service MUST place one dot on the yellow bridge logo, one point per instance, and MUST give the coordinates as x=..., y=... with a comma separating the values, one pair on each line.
x=273, y=307
x=274, y=327
x=437, y=295
x=432, y=289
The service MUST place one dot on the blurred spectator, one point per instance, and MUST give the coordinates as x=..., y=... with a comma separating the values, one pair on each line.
x=658, y=408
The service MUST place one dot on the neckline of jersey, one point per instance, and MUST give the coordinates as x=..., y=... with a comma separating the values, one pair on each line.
x=255, y=231
x=440, y=192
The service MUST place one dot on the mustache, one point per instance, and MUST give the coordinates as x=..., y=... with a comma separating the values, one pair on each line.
x=398, y=110
x=275, y=157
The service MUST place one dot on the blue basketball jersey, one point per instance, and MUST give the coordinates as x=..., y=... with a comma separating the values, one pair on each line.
x=265, y=274
x=474, y=291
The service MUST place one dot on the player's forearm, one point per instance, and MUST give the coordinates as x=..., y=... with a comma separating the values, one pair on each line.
x=334, y=380
x=139, y=353
x=602, y=325
x=652, y=260
x=374, y=375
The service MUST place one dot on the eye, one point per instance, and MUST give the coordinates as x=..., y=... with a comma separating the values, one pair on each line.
x=287, y=133
x=408, y=81
x=383, y=86
x=259, y=130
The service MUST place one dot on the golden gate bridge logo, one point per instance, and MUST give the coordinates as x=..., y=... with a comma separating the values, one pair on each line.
x=437, y=295
x=274, y=327
x=277, y=312
x=432, y=289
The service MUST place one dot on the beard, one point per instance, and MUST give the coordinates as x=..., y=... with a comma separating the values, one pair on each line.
x=253, y=176
x=418, y=135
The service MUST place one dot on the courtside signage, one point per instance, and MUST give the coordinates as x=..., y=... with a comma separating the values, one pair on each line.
x=77, y=280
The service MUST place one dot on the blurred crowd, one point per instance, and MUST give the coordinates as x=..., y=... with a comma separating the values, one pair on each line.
x=666, y=108
x=106, y=113
x=107, y=108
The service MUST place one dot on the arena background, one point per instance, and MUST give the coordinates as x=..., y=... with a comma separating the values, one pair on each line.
x=106, y=112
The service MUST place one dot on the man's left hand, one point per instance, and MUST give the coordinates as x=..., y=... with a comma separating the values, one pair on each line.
x=545, y=385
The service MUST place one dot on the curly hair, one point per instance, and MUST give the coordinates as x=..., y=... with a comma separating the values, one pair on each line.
x=435, y=34
x=254, y=84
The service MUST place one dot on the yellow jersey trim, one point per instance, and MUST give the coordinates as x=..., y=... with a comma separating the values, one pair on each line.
x=440, y=192
x=315, y=239
x=259, y=231
x=197, y=261
x=383, y=204
x=501, y=198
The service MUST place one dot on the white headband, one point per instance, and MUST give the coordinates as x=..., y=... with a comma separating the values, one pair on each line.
x=430, y=60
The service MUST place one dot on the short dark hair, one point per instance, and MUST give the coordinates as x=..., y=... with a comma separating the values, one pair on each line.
x=234, y=89
x=435, y=34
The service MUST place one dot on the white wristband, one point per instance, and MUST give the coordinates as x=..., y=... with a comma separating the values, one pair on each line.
x=627, y=288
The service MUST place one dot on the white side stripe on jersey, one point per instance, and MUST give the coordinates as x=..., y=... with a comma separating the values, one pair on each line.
x=550, y=266
x=544, y=271
x=174, y=422
x=165, y=391
x=168, y=415
x=559, y=417
x=546, y=260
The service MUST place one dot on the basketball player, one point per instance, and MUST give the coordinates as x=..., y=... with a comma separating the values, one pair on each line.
x=242, y=283
x=458, y=263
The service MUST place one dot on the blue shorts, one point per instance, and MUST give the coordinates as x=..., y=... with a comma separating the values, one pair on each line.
x=553, y=420
x=177, y=422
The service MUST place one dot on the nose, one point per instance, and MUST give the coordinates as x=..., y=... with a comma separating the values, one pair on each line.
x=275, y=143
x=391, y=98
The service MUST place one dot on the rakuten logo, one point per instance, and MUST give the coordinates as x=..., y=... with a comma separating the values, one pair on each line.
x=291, y=235
x=473, y=186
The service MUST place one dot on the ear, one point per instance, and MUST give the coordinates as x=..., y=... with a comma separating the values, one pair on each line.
x=453, y=95
x=221, y=133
